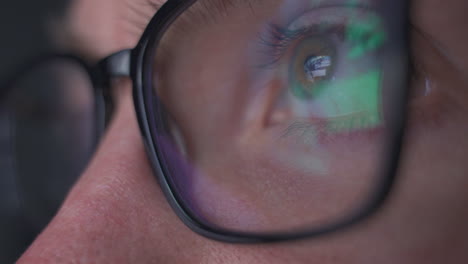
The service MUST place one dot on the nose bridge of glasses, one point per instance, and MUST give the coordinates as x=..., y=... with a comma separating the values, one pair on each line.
x=116, y=64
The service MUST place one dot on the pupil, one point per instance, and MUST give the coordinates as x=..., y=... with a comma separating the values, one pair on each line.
x=316, y=67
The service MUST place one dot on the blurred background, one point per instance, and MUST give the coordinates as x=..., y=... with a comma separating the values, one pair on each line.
x=23, y=31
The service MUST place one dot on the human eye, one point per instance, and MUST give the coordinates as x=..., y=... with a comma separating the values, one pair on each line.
x=329, y=63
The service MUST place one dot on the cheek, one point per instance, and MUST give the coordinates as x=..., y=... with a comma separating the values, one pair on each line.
x=429, y=200
x=206, y=95
x=430, y=195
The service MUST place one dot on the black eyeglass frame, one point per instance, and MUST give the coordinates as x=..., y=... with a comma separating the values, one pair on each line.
x=137, y=63
x=145, y=100
x=102, y=102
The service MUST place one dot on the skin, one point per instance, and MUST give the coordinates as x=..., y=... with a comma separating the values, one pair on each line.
x=116, y=212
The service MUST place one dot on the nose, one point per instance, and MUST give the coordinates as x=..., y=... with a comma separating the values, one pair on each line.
x=115, y=202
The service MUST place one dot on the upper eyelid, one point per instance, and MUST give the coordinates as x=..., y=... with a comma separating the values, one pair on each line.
x=278, y=39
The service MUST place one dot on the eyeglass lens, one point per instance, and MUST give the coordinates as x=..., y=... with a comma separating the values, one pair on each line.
x=48, y=118
x=279, y=114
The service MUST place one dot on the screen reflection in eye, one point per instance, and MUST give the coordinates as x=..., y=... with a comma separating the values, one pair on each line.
x=329, y=62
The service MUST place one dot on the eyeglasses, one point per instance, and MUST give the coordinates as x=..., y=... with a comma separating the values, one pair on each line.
x=263, y=120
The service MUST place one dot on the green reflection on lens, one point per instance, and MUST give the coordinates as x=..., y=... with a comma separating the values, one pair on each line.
x=348, y=104
x=365, y=36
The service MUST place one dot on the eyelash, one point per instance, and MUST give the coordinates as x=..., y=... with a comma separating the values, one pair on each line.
x=278, y=40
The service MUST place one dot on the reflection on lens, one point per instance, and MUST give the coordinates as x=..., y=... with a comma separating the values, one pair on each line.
x=51, y=117
x=278, y=114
